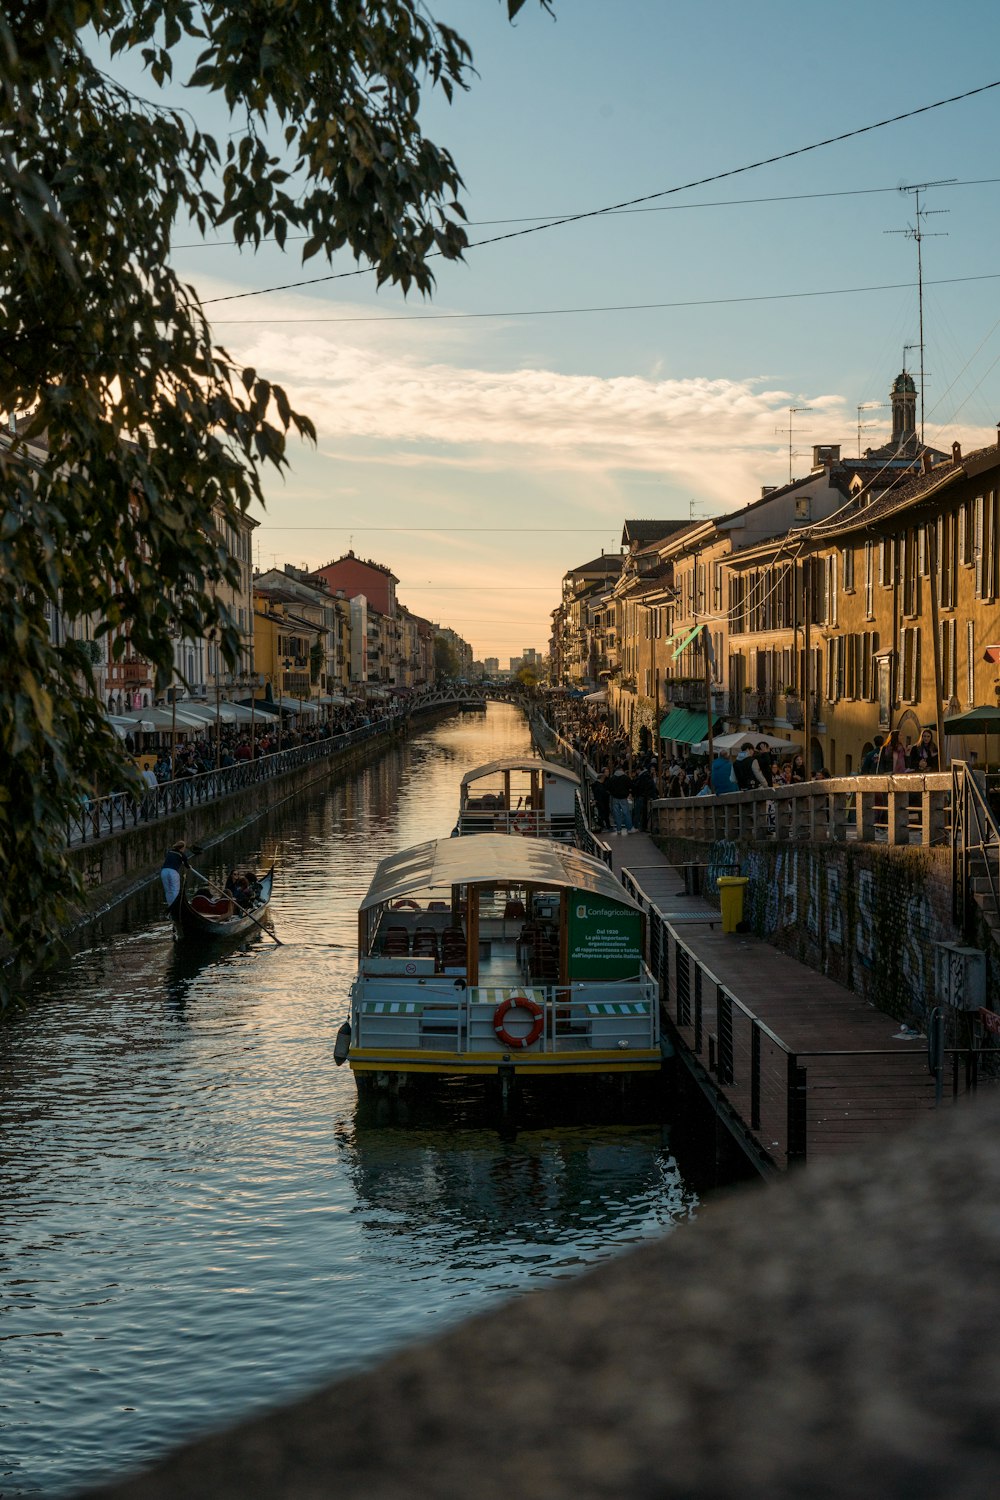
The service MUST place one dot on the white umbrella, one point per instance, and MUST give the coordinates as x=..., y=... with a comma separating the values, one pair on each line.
x=727, y=742
x=601, y=696
x=151, y=719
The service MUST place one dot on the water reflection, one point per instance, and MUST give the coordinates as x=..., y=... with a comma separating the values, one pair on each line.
x=486, y=1199
x=192, y=1222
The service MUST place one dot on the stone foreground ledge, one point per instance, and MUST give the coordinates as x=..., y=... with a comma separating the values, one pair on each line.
x=837, y=1335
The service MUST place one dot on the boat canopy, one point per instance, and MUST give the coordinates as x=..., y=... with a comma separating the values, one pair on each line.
x=492, y=859
x=521, y=763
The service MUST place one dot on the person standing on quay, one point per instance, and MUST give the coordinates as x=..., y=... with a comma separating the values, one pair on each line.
x=619, y=787
x=602, y=800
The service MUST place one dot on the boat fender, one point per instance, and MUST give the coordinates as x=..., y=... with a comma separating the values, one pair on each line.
x=517, y=1001
x=406, y=906
x=343, y=1044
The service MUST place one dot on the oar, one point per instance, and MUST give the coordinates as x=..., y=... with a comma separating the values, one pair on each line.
x=226, y=897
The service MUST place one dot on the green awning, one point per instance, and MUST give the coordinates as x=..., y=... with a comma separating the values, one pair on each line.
x=685, y=726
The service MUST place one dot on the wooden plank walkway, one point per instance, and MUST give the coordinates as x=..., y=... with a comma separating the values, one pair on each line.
x=862, y=1077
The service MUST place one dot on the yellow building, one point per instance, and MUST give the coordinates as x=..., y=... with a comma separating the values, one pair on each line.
x=907, y=609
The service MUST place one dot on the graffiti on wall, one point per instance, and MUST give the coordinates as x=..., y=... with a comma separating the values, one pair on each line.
x=866, y=918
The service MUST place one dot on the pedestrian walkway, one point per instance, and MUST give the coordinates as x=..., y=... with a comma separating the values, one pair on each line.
x=804, y=1067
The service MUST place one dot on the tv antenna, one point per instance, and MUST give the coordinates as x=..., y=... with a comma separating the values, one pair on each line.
x=866, y=426
x=792, y=413
x=917, y=232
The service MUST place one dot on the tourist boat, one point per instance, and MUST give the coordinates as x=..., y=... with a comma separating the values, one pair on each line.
x=520, y=794
x=501, y=958
x=205, y=913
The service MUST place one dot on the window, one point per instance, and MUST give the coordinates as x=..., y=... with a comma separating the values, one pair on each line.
x=717, y=587
x=949, y=665
x=908, y=568
x=831, y=589
x=869, y=673
x=886, y=571
x=869, y=580
x=970, y=662
x=835, y=668
x=965, y=542
x=947, y=545
x=848, y=556
x=986, y=545
x=910, y=664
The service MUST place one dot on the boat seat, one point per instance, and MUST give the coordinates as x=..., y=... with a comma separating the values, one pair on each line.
x=425, y=942
x=397, y=941
x=212, y=906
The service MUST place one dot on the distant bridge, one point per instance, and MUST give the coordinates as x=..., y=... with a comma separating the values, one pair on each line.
x=469, y=695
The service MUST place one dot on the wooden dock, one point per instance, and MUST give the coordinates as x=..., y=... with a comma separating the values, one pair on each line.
x=801, y=1065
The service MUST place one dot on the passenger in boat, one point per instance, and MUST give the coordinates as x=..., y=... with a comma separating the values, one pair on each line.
x=240, y=888
x=175, y=860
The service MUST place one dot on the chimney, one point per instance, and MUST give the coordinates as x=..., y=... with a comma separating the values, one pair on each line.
x=767, y=489
x=956, y=453
x=926, y=462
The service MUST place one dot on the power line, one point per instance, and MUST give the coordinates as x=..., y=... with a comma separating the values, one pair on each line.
x=559, y=312
x=660, y=208
x=685, y=187
x=354, y=527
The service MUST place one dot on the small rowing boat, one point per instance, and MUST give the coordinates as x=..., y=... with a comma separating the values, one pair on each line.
x=204, y=913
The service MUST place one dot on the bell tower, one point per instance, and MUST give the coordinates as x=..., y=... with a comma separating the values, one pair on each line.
x=904, y=410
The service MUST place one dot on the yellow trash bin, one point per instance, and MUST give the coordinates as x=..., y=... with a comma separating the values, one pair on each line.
x=731, y=900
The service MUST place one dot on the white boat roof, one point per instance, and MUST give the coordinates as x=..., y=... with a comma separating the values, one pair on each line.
x=521, y=763
x=492, y=859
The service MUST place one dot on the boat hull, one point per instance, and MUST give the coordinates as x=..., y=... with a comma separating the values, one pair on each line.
x=221, y=925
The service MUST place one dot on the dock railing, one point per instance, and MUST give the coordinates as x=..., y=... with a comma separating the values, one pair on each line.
x=769, y=1093
x=975, y=846
x=904, y=809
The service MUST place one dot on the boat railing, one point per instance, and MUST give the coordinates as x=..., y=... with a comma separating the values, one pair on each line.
x=602, y=1015
x=534, y=823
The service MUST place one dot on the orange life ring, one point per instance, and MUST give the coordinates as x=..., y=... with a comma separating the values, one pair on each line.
x=518, y=1002
x=406, y=906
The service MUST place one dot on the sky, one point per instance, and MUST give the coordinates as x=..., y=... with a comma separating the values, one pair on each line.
x=639, y=363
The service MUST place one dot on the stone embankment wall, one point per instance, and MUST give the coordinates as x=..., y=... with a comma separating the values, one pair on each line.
x=867, y=915
x=115, y=866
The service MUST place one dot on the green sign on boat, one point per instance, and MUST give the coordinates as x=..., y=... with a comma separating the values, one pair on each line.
x=604, y=939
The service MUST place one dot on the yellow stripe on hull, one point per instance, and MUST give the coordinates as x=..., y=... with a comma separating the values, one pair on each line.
x=369, y=1060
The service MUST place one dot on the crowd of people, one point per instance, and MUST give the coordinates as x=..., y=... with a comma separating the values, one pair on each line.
x=623, y=783
x=235, y=745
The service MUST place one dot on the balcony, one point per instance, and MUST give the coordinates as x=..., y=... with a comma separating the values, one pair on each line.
x=131, y=672
x=761, y=703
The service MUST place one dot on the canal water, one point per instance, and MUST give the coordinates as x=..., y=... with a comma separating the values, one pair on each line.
x=193, y=1226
